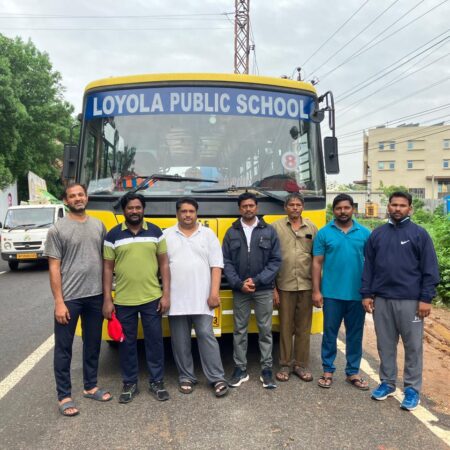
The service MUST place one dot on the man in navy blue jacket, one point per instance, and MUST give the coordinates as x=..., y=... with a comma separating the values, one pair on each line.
x=252, y=258
x=398, y=284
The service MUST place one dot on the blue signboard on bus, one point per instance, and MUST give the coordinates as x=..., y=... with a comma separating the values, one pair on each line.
x=199, y=100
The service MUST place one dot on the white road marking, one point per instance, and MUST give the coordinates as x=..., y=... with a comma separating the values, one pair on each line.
x=421, y=413
x=1, y=273
x=25, y=366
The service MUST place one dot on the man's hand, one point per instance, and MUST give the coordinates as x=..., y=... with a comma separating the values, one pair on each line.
x=214, y=300
x=368, y=305
x=248, y=287
x=276, y=298
x=108, y=308
x=423, y=310
x=62, y=314
x=164, y=304
x=317, y=299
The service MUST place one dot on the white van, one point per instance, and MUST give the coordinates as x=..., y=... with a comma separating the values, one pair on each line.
x=24, y=232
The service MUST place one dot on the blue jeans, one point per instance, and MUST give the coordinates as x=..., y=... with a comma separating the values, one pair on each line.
x=90, y=310
x=353, y=314
x=153, y=339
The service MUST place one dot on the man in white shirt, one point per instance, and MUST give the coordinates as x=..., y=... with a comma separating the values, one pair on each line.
x=196, y=262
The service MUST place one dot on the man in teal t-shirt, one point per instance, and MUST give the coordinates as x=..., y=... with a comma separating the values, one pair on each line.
x=338, y=258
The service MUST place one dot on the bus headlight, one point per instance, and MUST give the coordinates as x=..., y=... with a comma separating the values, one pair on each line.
x=7, y=245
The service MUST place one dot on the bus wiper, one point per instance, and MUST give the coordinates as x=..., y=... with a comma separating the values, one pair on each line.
x=162, y=177
x=240, y=188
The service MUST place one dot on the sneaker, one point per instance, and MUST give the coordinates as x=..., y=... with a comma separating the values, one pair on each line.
x=129, y=391
x=383, y=391
x=158, y=390
x=239, y=376
x=267, y=379
x=411, y=400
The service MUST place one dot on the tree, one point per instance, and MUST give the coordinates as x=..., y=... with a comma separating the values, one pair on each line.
x=34, y=118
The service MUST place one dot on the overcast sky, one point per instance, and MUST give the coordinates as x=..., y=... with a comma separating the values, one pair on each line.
x=87, y=40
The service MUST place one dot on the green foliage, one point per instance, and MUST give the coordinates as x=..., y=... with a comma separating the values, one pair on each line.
x=34, y=118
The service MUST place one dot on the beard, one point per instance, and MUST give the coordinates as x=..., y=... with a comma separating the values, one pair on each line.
x=76, y=209
x=134, y=220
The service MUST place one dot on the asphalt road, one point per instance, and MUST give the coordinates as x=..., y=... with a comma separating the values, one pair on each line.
x=297, y=415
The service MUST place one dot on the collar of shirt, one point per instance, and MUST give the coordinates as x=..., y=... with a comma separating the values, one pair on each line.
x=199, y=227
x=401, y=221
x=254, y=225
x=144, y=227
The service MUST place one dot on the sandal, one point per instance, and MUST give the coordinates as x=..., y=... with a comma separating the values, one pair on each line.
x=302, y=373
x=325, y=382
x=283, y=374
x=220, y=388
x=359, y=383
x=98, y=395
x=63, y=407
x=186, y=387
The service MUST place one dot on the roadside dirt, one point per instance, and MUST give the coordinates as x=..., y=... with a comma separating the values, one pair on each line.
x=436, y=378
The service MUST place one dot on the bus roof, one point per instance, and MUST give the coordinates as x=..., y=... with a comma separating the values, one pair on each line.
x=217, y=77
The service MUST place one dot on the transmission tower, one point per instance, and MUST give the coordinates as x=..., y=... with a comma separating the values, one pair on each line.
x=241, y=36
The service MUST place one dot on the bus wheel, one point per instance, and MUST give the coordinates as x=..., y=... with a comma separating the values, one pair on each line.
x=13, y=265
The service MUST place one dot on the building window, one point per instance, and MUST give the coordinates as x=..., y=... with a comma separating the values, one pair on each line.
x=381, y=145
x=386, y=146
x=410, y=145
x=446, y=164
x=380, y=165
x=386, y=165
x=391, y=145
x=410, y=164
x=417, y=192
x=446, y=144
x=391, y=165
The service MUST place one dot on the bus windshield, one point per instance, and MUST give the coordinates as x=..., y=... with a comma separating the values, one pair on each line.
x=249, y=139
x=27, y=217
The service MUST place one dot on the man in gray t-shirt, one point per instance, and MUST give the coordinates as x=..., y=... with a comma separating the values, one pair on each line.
x=74, y=250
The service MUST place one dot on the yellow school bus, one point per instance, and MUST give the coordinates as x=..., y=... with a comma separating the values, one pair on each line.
x=210, y=136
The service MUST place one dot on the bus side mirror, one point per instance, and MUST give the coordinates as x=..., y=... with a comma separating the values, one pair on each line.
x=70, y=161
x=330, y=145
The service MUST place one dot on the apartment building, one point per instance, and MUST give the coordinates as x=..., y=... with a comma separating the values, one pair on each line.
x=414, y=156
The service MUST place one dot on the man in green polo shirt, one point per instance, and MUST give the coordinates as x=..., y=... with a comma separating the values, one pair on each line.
x=135, y=251
x=292, y=293
x=337, y=269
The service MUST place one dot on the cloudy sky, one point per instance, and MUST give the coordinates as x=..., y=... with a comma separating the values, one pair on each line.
x=386, y=61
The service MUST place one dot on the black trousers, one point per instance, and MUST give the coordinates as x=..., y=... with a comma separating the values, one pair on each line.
x=90, y=310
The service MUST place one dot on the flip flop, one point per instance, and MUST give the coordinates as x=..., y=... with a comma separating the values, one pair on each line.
x=220, y=388
x=283, y=374
x=303, y=374
x=325, y=382
x=63, y=407
x=186, y=387
x=359, y=383
x=98, y=395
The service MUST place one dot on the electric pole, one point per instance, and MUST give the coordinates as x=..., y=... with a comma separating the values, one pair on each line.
x=241, y=36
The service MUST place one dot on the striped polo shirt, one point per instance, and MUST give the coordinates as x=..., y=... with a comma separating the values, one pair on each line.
x=136, y=262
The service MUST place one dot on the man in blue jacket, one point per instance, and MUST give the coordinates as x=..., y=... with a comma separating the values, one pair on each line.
x=399, y=281
x=252, y=258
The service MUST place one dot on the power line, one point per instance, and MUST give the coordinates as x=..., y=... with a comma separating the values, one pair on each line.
x=101, y=16
x=356, y=36
x=443, y=80
x=334, y=34
x=367, y=82
x=252, y=38
x=115, y=28
x=367, y=46
x=391, y=83
x=399, y=119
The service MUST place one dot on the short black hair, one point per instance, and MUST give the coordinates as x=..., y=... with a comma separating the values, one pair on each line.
x=294, y=196
x=189, y=200
x=247, y=196
x=70, y=186
x=402, y=194
x=131, y=196
x=343, y=198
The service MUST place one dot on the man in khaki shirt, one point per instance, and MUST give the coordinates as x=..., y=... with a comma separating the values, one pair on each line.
x=293, y=291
